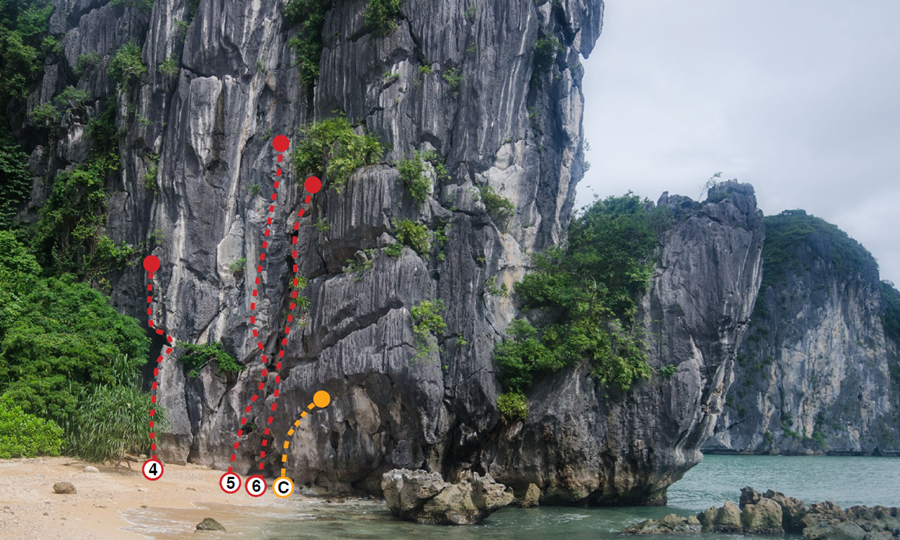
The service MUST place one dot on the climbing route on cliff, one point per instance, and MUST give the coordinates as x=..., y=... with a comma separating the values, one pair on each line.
x=230, y=482
x=153, y=468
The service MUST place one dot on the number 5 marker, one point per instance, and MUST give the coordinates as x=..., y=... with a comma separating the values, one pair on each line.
x=230, y=483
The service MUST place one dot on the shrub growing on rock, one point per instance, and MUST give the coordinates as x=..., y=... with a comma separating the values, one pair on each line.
x=331, y=149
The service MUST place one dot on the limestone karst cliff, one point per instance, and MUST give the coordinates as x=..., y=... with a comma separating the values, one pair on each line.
x=819, y=370
x=494, y=90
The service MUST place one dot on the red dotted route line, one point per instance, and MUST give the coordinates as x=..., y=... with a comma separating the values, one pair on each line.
x=313, y=185
x=151, y=264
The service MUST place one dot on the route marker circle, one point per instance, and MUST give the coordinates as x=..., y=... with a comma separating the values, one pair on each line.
x=152, y=469
x=283, y=487
x=230, y=483
x=151, y=263
x=312, y=184
x=281, y=143
x=256, y=486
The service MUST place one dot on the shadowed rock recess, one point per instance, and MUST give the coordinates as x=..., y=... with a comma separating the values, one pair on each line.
x=498, y=114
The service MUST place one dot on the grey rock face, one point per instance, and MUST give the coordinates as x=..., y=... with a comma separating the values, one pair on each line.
x=425, y=498
x=585, y=442
x=510, y=123
x=813, y=376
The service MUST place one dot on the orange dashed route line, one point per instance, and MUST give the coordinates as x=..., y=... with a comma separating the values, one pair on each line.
x=321, y=399
x=312, y=185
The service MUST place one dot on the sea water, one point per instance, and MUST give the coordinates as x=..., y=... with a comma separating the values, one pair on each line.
x=846, y=481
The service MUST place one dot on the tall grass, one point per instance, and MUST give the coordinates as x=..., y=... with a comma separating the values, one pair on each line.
x=113, y=419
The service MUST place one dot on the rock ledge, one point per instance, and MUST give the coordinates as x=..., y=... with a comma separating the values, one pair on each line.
x=424, y=497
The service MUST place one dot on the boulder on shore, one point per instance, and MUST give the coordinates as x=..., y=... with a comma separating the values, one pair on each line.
x=64, y=488
x=209, y=524
x=424, y=497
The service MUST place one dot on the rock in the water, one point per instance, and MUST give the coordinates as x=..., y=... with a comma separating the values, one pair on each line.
x=764, y=517
x=425, y=498
x=532, y=497
x=775, y=513
x=670, y=524
x=792, y=511
x=64, y=488
x=749, y=496
x=728, y=519
x=91, y=469
x=209, y=524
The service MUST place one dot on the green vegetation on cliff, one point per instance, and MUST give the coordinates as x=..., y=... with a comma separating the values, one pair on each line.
x=198, y=356
x=787, y=232
x=310, y=16
x=891, y=317
x=588, y=288
x=331, y=149
x=23, y=47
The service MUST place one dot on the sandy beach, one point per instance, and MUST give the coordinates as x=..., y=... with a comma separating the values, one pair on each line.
x=120, y=503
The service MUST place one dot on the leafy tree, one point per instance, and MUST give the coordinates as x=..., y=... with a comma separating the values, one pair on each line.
x=381, y=15
x=513, y=406
x=588, y=289
x=331, y=149
x=198, y=356
x=427, y=325
x=310, y=16
x=15, y=178
x=126, y=65
x=413, y=175
x=25, y=435
x=498, y=207
x=57, y=336
x=67, y=230
x=22, y=26
x=414, y=235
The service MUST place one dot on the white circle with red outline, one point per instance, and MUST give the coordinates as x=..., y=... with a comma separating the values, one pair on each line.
x=283, y=487
x=152, y=469
x=255, y=486
x=230, y=479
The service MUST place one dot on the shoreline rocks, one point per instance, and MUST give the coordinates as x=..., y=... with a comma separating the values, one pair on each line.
x=425, y=497
x=775, y=513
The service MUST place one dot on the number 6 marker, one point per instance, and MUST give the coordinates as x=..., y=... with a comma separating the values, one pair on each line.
x=152, y=469
x=283, y=487
x=230, y=483
x=256, y=486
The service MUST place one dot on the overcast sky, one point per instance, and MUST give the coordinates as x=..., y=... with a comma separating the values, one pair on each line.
x=800, y=98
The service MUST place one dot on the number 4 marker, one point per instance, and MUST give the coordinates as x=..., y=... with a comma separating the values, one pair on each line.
x=152, y=469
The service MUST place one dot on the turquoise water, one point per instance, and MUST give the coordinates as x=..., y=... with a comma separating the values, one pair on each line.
x=844, y=480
